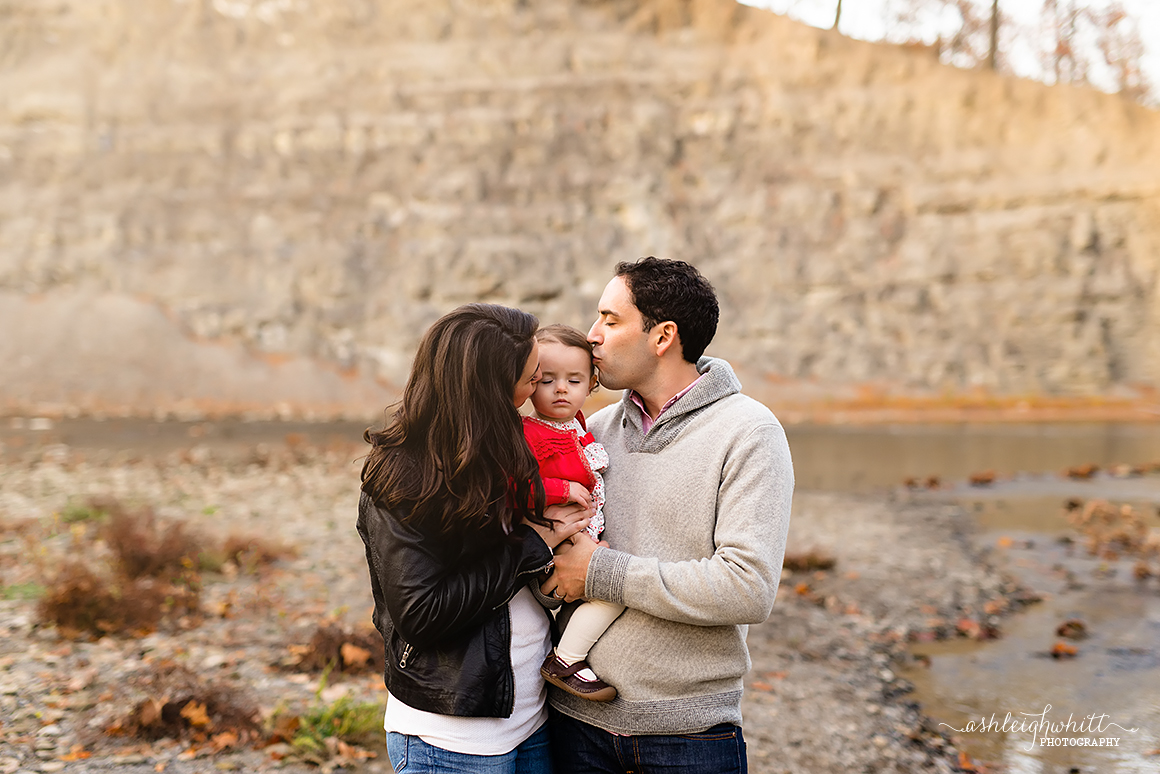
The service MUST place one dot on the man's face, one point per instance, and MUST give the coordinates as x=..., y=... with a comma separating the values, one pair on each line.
x=620, y=347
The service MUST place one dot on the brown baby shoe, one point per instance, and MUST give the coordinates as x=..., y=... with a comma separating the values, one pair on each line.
x=565, y=678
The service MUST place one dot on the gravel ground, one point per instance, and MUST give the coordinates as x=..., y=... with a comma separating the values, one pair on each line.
x=822, y=696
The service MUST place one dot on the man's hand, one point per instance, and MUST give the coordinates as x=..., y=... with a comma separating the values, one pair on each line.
x=572, y=556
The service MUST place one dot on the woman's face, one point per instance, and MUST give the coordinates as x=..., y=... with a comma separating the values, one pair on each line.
x=528, y=379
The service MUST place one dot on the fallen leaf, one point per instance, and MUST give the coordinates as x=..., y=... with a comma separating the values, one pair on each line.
x=761, y=686
x=1063, y=650
x=149, y=712
x=285, y=726
x=965, y=763
x=1082, y=471
x=802, y=589
x=223, y=740
x=995, y=606
x=76, y=753
x=968, y=628
x=195, y=713
x=1005, y=542
x=353, y=655
x=354, y=753
x=982, y=478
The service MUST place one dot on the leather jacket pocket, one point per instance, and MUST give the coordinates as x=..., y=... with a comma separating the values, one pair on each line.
x=400, y=652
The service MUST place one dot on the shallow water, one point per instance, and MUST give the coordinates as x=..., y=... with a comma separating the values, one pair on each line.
x=145, y=437
x=1117, y=672
x=865, y=458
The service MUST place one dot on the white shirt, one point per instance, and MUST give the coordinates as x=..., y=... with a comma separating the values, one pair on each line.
x=531, y=641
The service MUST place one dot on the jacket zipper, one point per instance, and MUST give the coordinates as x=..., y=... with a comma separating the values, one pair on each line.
x=404, y=657
x=551, y=563
x=511, y=669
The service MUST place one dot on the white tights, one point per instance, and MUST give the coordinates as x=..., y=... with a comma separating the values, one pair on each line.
x=587, y=623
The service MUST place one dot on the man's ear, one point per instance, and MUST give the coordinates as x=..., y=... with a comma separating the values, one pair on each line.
x=667, y=336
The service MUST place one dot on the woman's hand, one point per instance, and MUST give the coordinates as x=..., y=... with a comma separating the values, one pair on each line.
x=567, y=520
x=579, y=494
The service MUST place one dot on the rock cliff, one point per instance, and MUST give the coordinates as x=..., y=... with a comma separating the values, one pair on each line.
x=259, y=205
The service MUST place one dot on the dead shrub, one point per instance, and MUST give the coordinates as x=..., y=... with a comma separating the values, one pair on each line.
x=145, y=549
x=152, y=577
x=249, y=551
x=808, y=561
x=339, y=649
x=1108, y=527
x=80, y=602
x=180, y=705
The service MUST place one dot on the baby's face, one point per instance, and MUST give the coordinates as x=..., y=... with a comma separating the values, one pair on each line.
x=565, y=382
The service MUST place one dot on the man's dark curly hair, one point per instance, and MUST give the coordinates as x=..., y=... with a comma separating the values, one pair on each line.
x=665, y=290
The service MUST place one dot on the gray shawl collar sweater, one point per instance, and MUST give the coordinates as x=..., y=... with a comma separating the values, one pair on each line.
x=697, y=514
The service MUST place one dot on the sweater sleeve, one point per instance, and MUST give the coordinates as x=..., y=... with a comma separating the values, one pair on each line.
x=738, y=583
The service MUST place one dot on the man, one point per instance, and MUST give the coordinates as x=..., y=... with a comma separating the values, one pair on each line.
x=698, y=488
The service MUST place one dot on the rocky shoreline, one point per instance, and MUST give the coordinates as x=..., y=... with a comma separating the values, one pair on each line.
x=824, y=693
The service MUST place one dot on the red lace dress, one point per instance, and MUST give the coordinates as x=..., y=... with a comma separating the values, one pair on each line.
x=566, y=451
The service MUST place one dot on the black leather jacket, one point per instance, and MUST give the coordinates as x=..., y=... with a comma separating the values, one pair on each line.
x=443, y=612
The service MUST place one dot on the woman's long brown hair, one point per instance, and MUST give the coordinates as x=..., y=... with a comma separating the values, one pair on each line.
x=453, y=455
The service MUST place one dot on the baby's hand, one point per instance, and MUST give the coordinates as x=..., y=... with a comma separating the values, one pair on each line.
x=578, y=493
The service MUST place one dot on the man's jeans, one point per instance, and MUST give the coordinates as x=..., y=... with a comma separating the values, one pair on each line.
x=411, y=755
x=578, y=748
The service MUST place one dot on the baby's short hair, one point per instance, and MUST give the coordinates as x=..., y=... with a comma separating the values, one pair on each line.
x=569, y=337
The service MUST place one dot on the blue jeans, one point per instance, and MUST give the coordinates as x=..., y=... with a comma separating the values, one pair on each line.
x=578, y=748
x=412, y=755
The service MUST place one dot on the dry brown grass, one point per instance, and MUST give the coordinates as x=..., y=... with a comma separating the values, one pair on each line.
x=808, y=561
x=151, y=577
x=145, y=548
x=1111, y=531
x=249, y=552
x=82, y=602
x=339, y=649
x=180, y=705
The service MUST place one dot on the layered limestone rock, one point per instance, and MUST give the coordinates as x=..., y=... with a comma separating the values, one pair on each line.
x=259, y=205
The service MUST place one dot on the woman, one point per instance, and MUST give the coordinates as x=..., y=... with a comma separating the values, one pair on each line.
x=452, y=545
